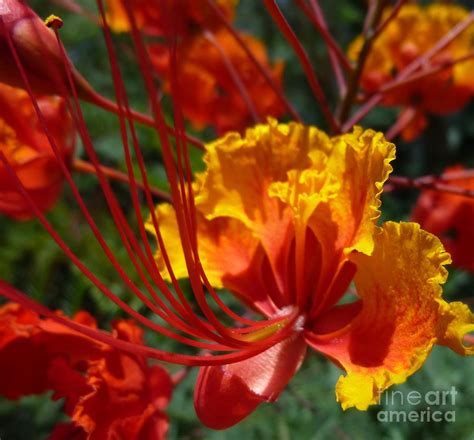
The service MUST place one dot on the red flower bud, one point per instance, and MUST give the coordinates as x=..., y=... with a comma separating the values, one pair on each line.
x=24, y=34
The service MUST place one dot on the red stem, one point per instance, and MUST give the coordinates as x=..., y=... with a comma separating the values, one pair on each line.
x=433, y=182
x=405, y=117
x=85, y=167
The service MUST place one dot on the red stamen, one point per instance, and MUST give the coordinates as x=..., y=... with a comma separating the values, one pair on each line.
x=285, y=28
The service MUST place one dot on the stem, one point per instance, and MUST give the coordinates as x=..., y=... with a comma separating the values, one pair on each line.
x=393, y=14
x=85, y=167
x=393, y=85
x=337, y=57
x=95, y=98
x=404, y=119
x=354, y=79
x=323, y=28
x=434, y=183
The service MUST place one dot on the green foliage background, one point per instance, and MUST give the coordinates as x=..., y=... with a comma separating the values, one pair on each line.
x=307, y=409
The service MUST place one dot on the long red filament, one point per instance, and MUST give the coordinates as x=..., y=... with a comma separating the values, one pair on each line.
x=87, y=216
x=285, y=28
x=141, y=350
x=176, y=194
x=157, y=228
x=116, y=77
x=183, y=153
x=117, y=213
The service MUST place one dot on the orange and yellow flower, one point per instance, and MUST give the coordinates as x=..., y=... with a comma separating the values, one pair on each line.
x=286, y=221
x=450, y=217
x=151, y=17
x=414, y=31
x=107, y=393
x=209, y=93
x=27, y=148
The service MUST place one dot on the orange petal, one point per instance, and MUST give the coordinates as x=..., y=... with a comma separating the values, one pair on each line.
x=216, y=238
x=402, y=315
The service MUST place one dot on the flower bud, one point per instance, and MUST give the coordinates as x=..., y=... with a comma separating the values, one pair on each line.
x=38, y=52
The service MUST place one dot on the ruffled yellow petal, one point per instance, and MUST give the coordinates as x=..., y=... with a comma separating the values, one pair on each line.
x=361, y=162
x=240, y=170
x=279, y=166
x=278, y=180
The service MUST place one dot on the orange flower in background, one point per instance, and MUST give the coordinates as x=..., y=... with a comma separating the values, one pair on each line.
x=218, y=83
x=451, y=217
x=107, y=393
x=28, y=150
x=286, y=220
x=151, y=18
x=411, y=34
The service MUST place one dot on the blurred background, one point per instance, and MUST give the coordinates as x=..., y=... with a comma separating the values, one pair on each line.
x=307, y=409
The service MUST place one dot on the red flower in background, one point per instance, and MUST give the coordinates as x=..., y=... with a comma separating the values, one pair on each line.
x=218, y=83
x=451, y=217
x=108, y=394
x=27, y=148
x=150, y=15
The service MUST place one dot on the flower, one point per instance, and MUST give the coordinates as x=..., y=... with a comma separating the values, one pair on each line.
x=284, y=218
x=26, y=146
x=286, y=221
x=108, y=394
x=151, y=17
x=206, y=76
x=450, y=217
x=410, y=35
